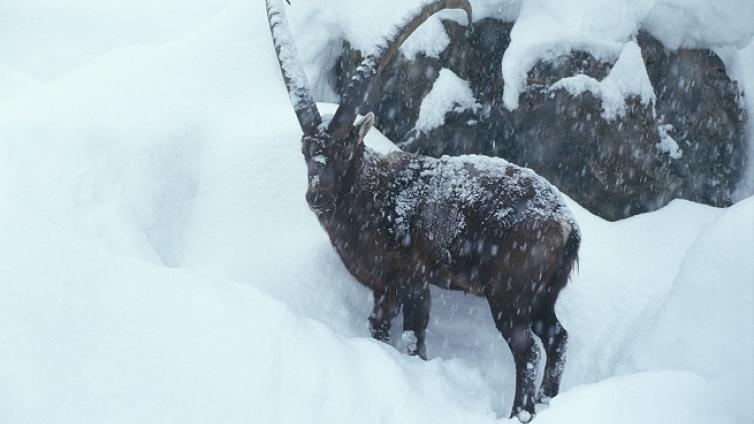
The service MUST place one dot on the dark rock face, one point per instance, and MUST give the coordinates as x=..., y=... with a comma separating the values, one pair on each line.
x=696, y=96
x=615, y=168
x=396, y=97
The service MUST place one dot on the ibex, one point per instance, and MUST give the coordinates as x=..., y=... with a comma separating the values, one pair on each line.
x=400, y=221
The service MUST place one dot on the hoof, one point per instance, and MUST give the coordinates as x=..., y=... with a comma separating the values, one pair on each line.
x=413, y=346
x=410, y=342
x=524, y=416
x=544, y=400
x=379, y=331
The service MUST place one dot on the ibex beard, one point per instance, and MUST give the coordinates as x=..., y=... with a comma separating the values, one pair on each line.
x=401, y=222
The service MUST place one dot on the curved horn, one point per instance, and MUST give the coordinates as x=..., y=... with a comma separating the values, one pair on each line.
x=371, y=67
x=293, y=74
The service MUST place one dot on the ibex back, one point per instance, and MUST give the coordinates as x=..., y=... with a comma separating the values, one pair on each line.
x=401, y=221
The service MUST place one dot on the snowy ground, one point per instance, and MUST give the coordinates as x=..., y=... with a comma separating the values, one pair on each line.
x=158, y=262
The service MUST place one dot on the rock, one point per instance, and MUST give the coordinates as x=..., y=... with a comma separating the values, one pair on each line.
x=690, y=144
x=397, y=95
x=696, y=96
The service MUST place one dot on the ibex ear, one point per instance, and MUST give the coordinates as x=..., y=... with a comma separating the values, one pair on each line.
x=365, y=125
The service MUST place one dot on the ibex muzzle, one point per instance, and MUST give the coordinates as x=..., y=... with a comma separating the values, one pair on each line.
x=401, y=222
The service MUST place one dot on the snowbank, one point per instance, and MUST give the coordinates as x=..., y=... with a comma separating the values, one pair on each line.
x=159, y=263
x=47, y=39
x=14, y=83
x=710, y=304
x=656, y=397
x=89, y=336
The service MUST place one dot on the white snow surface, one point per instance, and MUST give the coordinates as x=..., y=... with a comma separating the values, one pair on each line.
x=699, y=306
x=158, y=263
x=14, y=83
x=449, y=93
x=667, y=143
x=49, y=38
x=744, y=73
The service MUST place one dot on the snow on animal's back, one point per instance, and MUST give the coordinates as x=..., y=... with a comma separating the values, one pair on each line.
x=497, y=188
x=457, y=197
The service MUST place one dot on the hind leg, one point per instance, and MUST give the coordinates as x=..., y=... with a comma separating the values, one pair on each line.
x=554, y=339
x=515, y=329
x=416, y=303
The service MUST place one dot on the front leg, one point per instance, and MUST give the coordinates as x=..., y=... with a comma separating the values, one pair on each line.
x=385, y=309
x=416, y=302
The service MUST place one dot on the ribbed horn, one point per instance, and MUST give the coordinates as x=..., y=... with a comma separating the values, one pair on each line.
x=370, y=68
x=293, y=74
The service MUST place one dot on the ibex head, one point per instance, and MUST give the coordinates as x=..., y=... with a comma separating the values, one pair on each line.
x=330, y=148
x=329, y=161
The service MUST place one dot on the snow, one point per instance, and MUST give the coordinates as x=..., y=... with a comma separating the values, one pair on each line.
x=90, y=336
x=158, y=263
x=705, y=305
x=627, y=78
x=743, y=72
x=366, y=28
x=14, y=83
x=700, y=23
x=449, y=93
x=657, y=397
x=409, y=340
x=667, y=144
x=46, y=39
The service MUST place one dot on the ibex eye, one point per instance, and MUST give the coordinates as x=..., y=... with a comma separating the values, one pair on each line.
x=313, y=149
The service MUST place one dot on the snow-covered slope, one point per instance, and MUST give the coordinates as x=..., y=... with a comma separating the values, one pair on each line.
x=47, y=38
x=158, y=263
x=91, y=336
x=710, y=304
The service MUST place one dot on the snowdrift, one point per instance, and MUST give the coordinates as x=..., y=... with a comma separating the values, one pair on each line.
x=158, y=263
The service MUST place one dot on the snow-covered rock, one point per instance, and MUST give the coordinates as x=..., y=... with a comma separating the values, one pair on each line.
x=587, y=123
x=449, y=94
x=627, y=78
